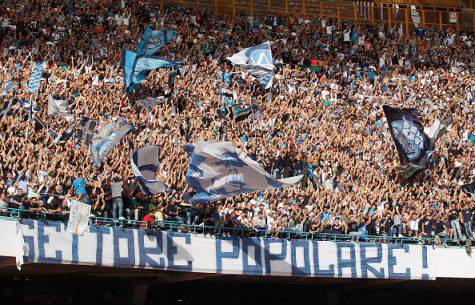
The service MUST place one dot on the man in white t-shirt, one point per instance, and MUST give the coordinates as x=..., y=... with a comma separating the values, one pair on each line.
x=329, y=29
x=346, y=36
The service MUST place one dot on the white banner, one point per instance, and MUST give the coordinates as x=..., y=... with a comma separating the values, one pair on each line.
x=11, y=240
x=78, y=217
x=115, y=247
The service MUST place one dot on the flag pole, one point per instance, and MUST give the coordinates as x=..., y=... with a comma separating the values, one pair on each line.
x=30, y=113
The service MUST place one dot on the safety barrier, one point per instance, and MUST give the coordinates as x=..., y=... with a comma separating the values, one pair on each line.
x=442, y=14
x=175, y=226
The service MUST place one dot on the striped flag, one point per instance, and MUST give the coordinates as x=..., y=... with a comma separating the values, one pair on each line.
x=7, y=87
x=144, y=164
x=34, y=81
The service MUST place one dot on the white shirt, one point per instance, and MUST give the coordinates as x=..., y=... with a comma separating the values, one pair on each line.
x=414, y=225
x=346, y=35
x=361, y=40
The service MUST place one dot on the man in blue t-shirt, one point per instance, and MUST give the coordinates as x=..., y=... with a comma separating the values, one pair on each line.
x=79, y=186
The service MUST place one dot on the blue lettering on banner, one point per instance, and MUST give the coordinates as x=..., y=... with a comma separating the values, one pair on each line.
x=234, y=254
x=128, y=235
x=392, y=261
x=43, y=239
x=251, y=256
x=30, y=240
x=366, y=261
x=300, y=271
x=268, y=257
x=425, y=265
x=145, y=252
x=74, y=248
x=99, y=232
x=172, y=250
x=316, y=262
x=247, y=268
x=346, y=263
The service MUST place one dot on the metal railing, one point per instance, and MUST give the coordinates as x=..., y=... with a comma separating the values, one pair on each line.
x=442, y=15
x=222, y=231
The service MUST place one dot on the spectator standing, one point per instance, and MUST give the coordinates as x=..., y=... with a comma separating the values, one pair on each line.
x=116, y=186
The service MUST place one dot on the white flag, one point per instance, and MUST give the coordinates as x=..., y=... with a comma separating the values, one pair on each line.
x=57, y=106
x=78, y=217
x=219, y=170
x=258, y=61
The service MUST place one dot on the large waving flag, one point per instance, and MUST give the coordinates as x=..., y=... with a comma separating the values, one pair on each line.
x=137, y=68
x=107, y=138
x=34, y=81
x=144, y=164
x=258, y=61
x=219, y=170
x=152, y=41
x=413, y=145
x=85, y=131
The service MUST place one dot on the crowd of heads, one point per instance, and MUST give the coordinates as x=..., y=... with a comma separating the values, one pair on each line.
x=322, y=117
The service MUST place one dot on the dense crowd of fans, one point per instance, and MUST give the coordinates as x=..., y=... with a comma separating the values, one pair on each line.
x=322, y=118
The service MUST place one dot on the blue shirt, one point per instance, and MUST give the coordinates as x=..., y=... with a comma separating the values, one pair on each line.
x=370, y=75
x=22, y=183
x=78, y=185
x=227, y=77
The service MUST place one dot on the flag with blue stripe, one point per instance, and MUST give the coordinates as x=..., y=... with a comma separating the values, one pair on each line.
x=218, y=170
x=8, y=86
x=152, y=41
x=35, y=78
x=137, y=68
x=107, y=138
x=144, y=163
x=27, y=106
x=258, y=61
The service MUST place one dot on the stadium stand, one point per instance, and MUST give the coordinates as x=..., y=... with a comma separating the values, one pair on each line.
x=322, y=118
x=93, y=120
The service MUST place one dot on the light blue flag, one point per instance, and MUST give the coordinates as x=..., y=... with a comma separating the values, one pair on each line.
x=25, y=104
x=137, y=68
x=218, y=170
x=34, y=81
x=107, y=138
x=258, y=61
x=8, y=86
x=152, y=41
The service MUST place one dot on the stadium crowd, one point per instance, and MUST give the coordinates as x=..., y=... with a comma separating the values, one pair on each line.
x=322, y=118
